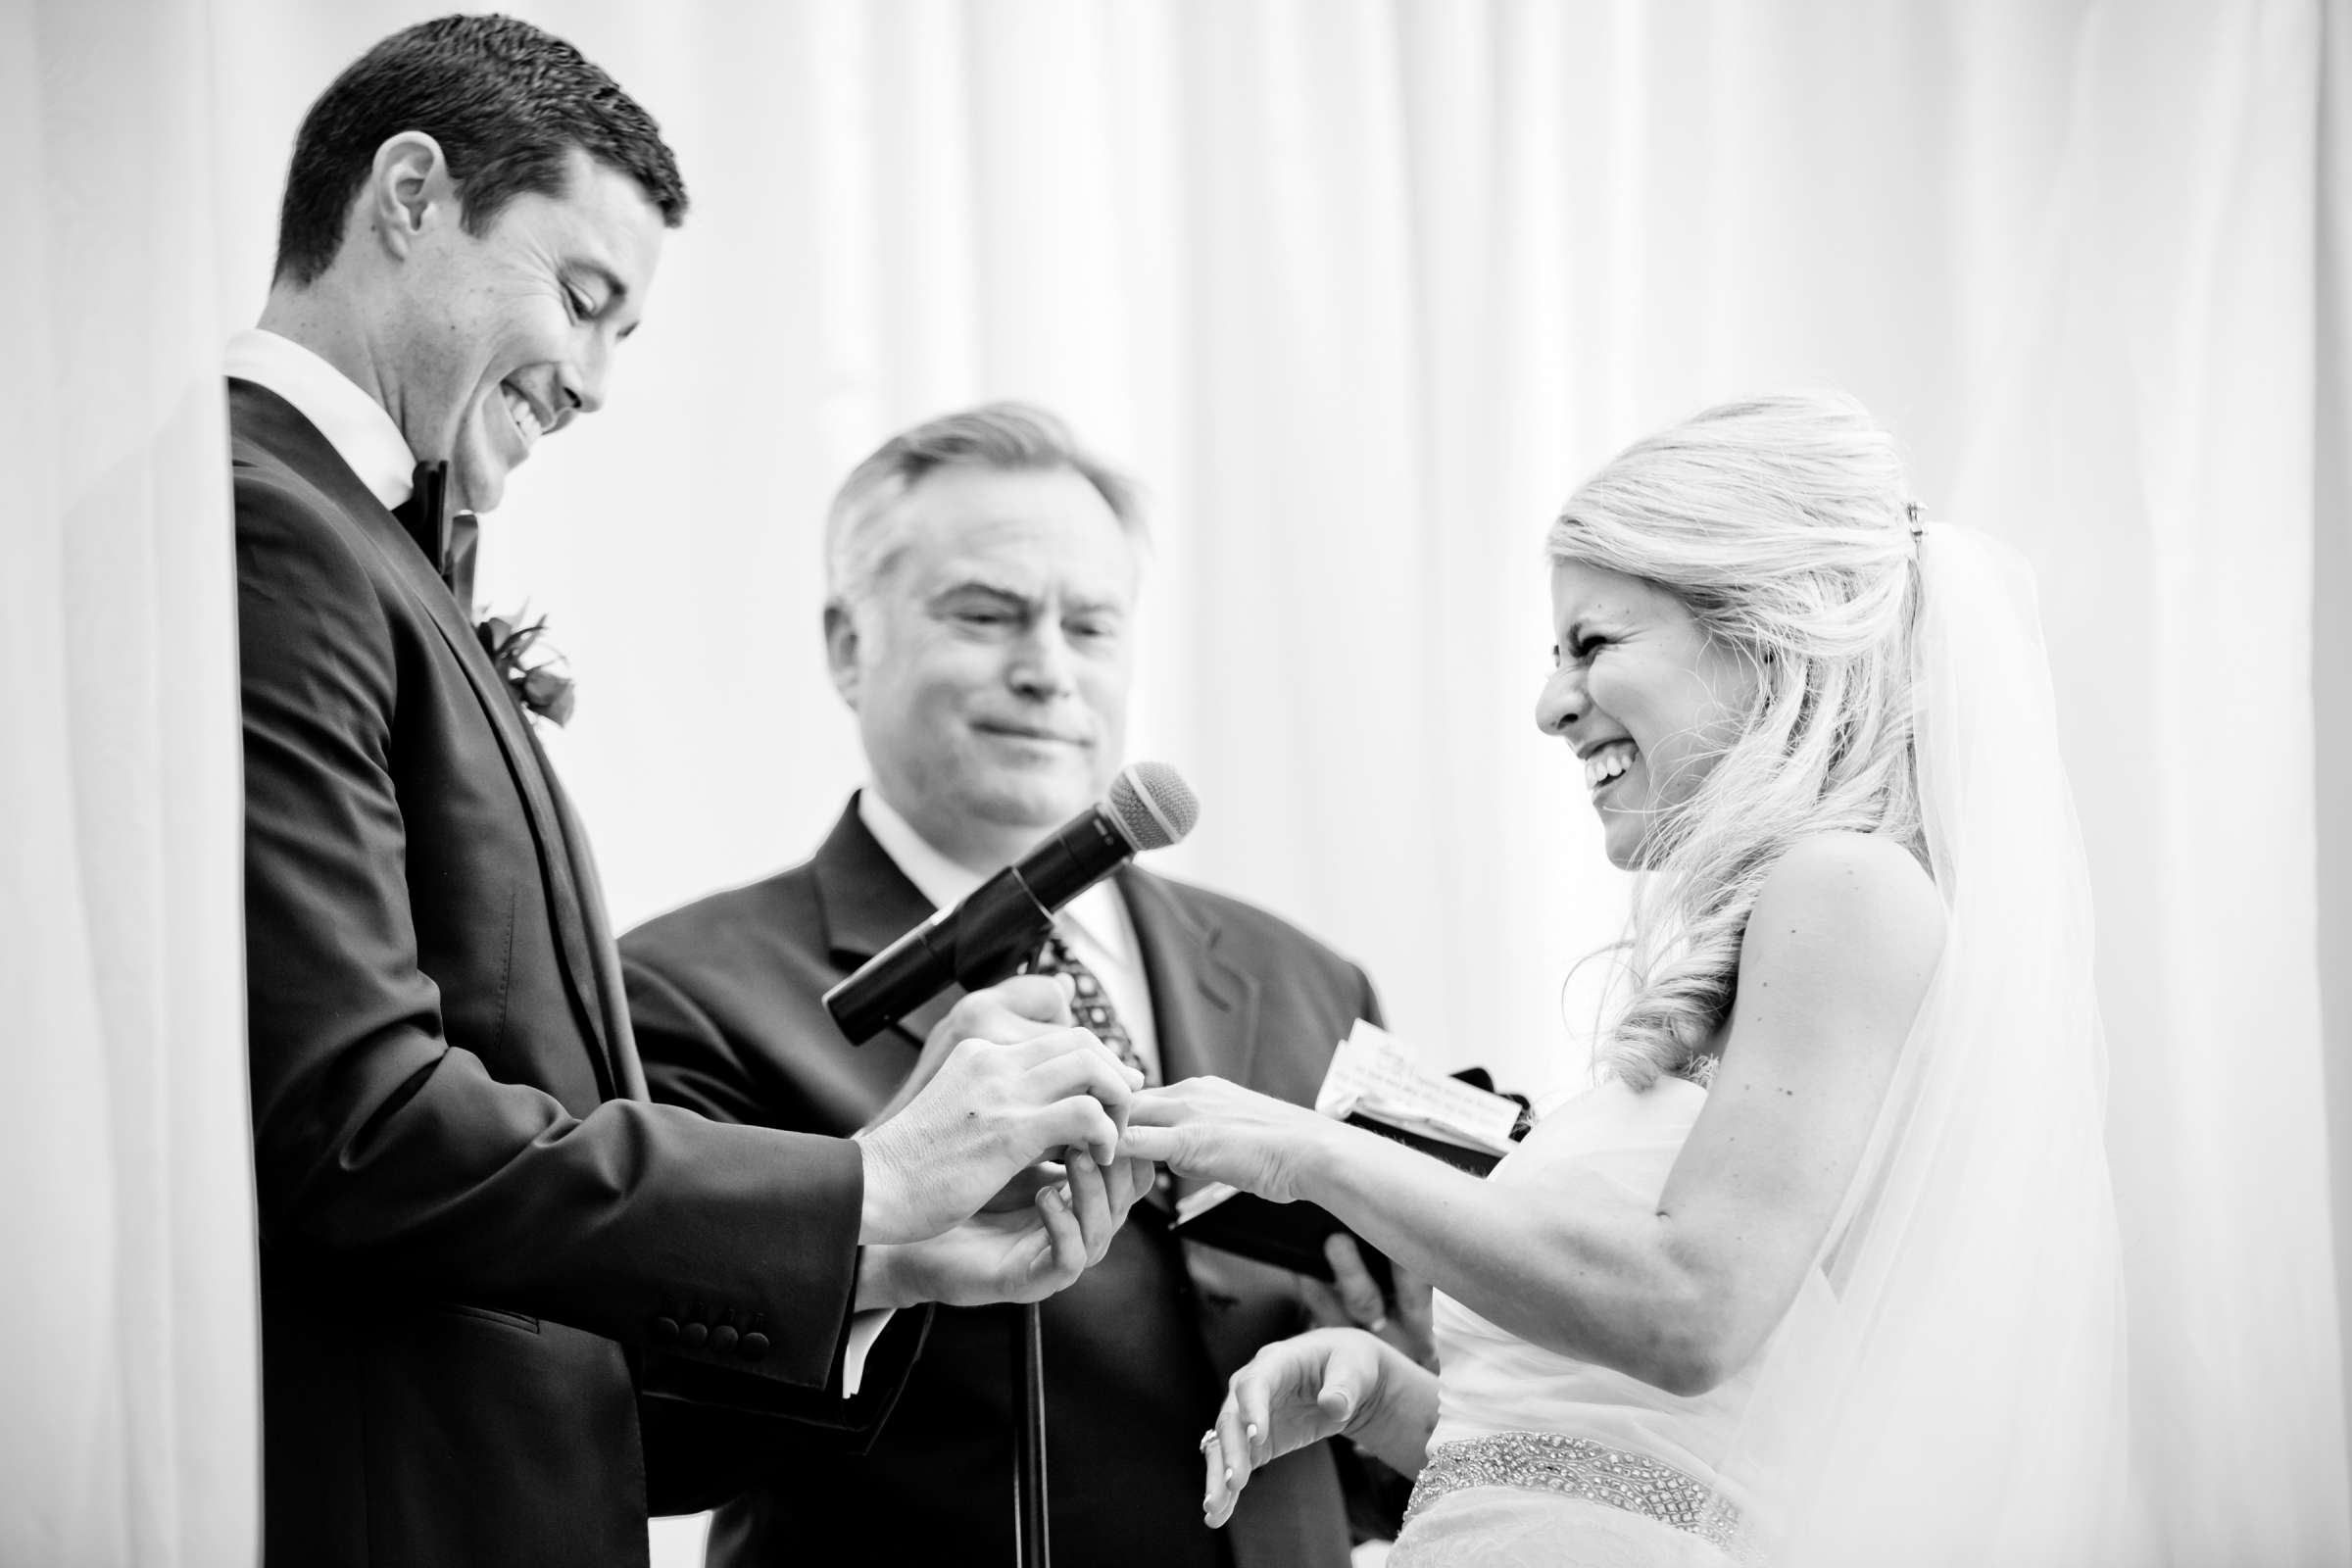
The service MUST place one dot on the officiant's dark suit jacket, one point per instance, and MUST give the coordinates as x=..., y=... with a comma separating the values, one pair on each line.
x=473, y=1222
x=725, y=995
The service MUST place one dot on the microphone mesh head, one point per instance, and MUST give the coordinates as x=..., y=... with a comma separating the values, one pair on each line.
x=1153, y=805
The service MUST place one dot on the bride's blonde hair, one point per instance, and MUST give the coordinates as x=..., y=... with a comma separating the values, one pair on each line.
x=1784, y=525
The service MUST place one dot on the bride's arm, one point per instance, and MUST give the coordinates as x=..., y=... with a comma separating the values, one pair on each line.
x=1840, y=949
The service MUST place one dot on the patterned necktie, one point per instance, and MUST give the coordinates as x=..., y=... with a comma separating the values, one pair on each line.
x=1091, y=1005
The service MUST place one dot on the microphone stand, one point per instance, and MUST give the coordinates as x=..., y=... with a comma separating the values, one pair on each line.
x=1030, y=1546
x=1010, y=948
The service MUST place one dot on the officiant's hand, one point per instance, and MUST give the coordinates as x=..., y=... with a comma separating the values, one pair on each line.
x=1317, y=1385
x=1401, y=1316
x=1010, y=1093
x=1020, y=1253
x=1218, y=1131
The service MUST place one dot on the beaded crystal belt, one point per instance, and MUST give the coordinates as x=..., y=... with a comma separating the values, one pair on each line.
x=1579, y=1467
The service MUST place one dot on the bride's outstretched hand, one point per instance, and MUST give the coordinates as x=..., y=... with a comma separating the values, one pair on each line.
x=1314, y=1386
x=1219, y=1131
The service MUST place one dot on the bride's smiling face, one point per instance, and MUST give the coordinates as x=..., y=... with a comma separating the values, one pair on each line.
x=1642, y=694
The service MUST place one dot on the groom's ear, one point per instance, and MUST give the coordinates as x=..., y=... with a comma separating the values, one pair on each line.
x=408, y=191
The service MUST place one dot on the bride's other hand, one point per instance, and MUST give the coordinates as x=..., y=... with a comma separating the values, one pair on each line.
x=1219, y=1131
x=1317, y=1385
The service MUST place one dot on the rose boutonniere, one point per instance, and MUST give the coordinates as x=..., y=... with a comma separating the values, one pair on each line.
x=530, y=670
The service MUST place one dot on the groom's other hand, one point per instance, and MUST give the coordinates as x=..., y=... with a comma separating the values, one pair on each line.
x=1017, y=1251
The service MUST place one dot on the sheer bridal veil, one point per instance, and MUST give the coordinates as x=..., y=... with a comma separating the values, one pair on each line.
x=1962, y=1399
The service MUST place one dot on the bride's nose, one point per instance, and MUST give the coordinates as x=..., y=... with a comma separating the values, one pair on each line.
x=1561, y=702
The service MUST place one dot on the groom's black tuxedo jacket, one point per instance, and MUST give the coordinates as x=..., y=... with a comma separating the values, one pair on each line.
x=473, y=1223
x=725, y=995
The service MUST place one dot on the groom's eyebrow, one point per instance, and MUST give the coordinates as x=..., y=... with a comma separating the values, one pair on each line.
x=616, y=291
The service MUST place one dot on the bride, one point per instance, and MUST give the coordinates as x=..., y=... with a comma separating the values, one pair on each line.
x=1823, y=1269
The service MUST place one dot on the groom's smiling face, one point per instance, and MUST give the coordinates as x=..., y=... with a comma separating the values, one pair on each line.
x=493, y=341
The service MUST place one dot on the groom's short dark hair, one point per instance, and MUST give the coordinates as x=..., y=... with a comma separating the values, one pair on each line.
x=506, y=101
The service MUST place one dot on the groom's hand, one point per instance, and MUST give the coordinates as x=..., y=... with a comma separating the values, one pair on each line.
x=1006, y=1096
x=1015, y=1009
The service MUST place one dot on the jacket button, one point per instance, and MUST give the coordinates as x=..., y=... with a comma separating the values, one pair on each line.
x=692, y=1335
x=753, y=1346
x=665, y=1331
x=723, y=1338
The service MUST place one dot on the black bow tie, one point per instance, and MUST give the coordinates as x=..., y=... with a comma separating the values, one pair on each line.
x=448, y=542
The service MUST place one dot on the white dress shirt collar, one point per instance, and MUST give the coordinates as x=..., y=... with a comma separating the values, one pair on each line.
x=1095, y=914
x=354, y=423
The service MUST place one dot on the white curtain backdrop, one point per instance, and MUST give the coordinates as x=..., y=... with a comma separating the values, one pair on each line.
x=128, y=1399
x=1358, y=290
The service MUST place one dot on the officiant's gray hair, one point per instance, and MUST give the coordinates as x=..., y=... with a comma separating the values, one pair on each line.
x=861, y=542
x=1784, y=525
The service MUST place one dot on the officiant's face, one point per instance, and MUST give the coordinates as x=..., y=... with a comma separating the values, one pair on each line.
x=500, y=340
x=1646, y=696
x=991, y=663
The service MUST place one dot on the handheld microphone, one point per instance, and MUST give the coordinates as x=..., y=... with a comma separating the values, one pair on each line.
x=1002, y=923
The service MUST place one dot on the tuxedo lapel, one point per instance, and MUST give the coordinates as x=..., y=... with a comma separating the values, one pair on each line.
x=296, y=442
x=620, y=1039
x=532, y=778
x=1203, y=1009
x=866, y=902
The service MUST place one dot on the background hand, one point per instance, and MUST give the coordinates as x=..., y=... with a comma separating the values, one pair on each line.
x=1209, y=1128
x=1353, y=1299
x=992, y=1109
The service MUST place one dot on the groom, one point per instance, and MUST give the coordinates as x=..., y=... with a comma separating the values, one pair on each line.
x=476, y=1231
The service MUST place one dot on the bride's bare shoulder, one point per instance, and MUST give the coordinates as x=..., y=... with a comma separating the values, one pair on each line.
x=1845, y=906
x=1865, y=865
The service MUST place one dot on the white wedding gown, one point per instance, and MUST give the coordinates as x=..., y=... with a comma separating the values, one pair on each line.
x=1629, y=1474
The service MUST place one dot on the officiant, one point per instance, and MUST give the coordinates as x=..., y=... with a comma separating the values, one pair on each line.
x=982, y=575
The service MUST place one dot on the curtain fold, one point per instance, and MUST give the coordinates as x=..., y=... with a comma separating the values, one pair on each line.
x=2330, y=591
x=128, y=1411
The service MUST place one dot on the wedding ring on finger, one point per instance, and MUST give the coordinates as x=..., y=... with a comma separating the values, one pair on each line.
x=1207, y=1438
